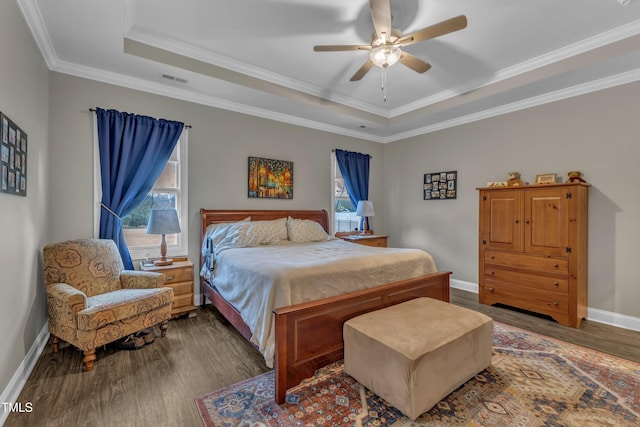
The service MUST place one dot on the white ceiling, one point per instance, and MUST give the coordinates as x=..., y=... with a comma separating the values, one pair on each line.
x=256, y=56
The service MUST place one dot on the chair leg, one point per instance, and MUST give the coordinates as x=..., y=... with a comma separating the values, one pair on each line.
x=163, y=328
x=89, y=357
x=55, y=341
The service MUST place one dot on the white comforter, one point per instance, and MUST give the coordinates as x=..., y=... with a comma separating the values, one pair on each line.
x=255, y=280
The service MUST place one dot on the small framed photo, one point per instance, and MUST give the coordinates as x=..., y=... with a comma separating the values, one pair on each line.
x=547, y=178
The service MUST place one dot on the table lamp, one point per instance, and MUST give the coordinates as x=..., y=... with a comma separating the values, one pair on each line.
x=163, y=221
x=365, y=210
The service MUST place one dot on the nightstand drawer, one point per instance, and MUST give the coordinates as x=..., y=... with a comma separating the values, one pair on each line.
x=178, y=275
x=184, y=300
x=181, y=288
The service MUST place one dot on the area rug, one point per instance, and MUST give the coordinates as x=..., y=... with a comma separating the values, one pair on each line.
x=533, y=380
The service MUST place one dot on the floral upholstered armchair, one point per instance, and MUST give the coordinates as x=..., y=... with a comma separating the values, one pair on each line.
x=93, y=301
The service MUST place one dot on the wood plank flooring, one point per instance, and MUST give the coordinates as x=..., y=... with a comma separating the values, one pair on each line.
x=157, y=385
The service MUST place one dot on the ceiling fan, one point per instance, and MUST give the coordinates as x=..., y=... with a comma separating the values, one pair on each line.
x=386, y=42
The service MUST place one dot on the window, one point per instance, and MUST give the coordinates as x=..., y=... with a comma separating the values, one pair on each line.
x=344, y=212
x=169, y=191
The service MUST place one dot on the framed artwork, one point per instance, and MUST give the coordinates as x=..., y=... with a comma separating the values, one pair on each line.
x=440, y=185
x=270, y=179
x=547, y=178
x=13, y=158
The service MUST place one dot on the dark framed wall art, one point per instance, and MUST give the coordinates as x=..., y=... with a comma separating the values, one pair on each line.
x=440, y=185
x=13, y=158
x=270, y=179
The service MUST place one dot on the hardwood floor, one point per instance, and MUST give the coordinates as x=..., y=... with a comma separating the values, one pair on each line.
x=157, y=385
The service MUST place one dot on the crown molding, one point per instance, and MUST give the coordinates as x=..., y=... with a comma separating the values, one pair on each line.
x=190, y=96
x=33, y=18
x=243, y=68
x=586, y=45
x=581, y=89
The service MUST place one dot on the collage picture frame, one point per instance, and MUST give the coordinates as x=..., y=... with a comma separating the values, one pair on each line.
x=440, y=185
x=13, y=158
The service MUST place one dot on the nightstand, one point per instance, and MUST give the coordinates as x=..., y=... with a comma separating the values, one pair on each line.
x=365, y=239
x=179, y=277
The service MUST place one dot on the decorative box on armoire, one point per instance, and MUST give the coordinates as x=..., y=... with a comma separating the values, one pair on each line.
x=533, y=249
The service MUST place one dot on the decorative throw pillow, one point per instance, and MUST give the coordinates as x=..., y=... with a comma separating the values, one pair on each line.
x=305, y=230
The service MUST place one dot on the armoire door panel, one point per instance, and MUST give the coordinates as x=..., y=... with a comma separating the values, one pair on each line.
x=503, y=222
x=546, y=222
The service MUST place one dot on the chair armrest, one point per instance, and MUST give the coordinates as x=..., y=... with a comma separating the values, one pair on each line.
x=133, y=279
x=67, y=295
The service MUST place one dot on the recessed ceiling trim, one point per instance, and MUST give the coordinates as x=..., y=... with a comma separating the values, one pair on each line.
x=582, y=89
x=240, y=67
x=592, y=43
x=163, y=56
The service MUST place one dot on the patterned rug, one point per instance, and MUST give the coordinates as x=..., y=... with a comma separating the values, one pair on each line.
x=533, y=381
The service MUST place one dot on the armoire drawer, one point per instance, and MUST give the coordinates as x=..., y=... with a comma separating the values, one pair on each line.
x=531, y=299
x=559, y=284
x=551, y=265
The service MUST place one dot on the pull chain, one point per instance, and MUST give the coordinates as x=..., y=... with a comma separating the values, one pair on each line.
x=384, y=84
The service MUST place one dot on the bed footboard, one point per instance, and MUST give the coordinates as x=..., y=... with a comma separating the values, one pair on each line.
x=309, y=335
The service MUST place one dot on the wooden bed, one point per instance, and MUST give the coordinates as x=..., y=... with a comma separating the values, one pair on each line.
x=309, y=335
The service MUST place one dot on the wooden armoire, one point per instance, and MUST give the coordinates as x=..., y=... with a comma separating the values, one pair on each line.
x=533, y=249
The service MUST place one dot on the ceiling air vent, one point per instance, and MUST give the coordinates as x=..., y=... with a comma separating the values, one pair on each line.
x=173, y=78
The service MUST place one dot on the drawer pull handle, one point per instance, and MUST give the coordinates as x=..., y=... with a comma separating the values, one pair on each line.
x=517, y=221
x=491, y=290
x=555, y=303
x=555, y=266
x=526, y=222
x=170, y=278
x=555, y=283
x=491, y=273
x=492, y=257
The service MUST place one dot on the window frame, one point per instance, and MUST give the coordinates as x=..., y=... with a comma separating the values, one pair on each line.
x=335, y=174
x=153, y=251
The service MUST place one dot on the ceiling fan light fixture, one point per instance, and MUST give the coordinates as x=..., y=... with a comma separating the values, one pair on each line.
x=385, y=56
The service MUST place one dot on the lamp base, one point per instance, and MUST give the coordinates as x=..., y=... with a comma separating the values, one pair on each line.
x=163, y=261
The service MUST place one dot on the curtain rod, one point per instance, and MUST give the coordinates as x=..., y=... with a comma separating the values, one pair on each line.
x=93, y=110
x=370, y=156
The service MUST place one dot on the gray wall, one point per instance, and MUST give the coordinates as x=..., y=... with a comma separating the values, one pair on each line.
x=597, y=134
x=24, y=91
x=219, y=144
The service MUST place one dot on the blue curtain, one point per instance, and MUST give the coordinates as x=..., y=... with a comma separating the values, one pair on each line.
x=354, y=168
x=133, y=153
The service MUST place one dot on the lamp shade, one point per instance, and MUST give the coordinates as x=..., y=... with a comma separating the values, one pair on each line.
x=365, y=208
x=163, y=221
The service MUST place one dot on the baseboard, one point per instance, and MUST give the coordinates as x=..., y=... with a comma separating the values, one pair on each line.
x=19, y=379
x=593, y=314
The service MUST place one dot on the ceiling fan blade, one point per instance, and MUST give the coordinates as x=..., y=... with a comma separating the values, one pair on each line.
x=335, y=48
x=381, y=16
x=362, y=71
x=413, y=62
x=436, y=30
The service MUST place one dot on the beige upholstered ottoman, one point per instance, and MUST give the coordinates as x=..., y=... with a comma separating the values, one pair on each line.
x=415, y=353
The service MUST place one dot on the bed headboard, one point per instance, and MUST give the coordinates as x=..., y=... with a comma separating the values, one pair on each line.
x=212, y=216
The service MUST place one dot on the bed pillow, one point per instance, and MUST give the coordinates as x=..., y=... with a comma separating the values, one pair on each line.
x=268, y=232
x=305, y=230
x=215, y=233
